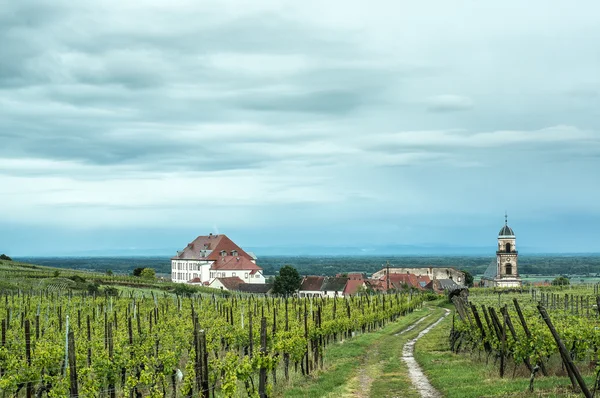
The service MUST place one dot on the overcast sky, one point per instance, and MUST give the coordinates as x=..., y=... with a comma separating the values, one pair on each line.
x=142, y=124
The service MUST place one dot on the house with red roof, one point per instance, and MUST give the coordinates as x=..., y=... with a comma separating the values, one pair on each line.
x=227, y=283
x=214, y=256
x=311, y=286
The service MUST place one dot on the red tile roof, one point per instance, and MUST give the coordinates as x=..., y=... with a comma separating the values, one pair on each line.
x=209, y=248
x=312, y=283
x=230, y=283
x=353, y=285
x=234, y=263
x=397, y=280
x=375, y=284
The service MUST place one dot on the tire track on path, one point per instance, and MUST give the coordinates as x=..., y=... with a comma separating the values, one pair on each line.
x=418, y=378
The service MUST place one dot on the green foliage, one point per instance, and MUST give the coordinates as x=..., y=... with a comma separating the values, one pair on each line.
x=109, y=272
x=561, y=281
x=287, y=282
x=159, y=342
x=148, y=273
x=5, y=257
x=183, y=289
x=111, y=291
x=93, y=288
x=77, y=278
x=56, y=273
x=430, y=296
x=468, y=278
x=137, y=271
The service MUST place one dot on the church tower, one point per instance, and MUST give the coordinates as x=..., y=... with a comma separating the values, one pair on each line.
x=507, y=273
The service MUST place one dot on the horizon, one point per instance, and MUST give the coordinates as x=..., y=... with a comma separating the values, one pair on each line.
x=299, y=124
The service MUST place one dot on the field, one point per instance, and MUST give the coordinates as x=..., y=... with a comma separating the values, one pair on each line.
x=59, y=341
x=545, y=335
x=71, y=332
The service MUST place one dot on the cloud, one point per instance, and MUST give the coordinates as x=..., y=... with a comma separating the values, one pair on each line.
x=267, y=114
x=449, y=103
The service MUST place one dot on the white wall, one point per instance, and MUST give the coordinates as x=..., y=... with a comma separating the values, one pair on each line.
x=242, y=274
x=310, y=293
x=184, y=270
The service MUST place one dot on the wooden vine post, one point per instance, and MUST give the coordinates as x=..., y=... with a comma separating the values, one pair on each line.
x=574, y=374
x=262, y=381
x=72, y=366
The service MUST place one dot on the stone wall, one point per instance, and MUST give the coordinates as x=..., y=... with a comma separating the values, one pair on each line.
x=431, y=272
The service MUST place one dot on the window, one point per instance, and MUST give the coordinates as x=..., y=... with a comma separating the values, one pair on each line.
x=233, y=274
x=507, y=247
x=246, y=275
x=508, y=269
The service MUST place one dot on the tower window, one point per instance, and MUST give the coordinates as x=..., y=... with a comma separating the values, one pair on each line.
x=508, y=269
x=508, y=247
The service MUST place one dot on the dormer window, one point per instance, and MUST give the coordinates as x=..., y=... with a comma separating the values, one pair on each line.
x=234, y=253
x=223, y=253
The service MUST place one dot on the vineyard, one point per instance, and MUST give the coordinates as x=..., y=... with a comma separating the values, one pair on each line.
x=59, y=343
x=535, y=332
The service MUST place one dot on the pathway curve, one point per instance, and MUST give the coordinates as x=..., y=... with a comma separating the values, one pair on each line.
x=411, y=327
x=415, y=373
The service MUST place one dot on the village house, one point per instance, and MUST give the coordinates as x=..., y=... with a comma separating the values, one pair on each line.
x=311, y=286
x=214, y=256
x=429, y=272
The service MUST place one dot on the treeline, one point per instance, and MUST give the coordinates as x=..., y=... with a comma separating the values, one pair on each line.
x=331, y=265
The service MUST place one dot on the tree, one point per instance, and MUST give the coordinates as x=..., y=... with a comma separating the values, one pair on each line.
x=287, y=282
x=183, y=289
x=148, y=273
x=468, y=278
x=109, y=272
x=561, y=281
x=138, y=271
x=5, y=257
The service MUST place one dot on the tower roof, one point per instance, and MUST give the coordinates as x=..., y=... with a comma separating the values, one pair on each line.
x=506, y=230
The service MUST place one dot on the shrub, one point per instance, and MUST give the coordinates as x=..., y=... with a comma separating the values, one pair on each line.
x=93, y=288
x=111, y=291
x=148, y=273
x=5, y=257
x=184, y=290
x=561, y=281
x=77, y=278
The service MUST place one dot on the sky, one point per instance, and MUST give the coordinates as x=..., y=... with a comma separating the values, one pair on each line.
x=139, y=125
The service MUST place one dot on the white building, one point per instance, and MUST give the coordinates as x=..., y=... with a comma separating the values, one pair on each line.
x=214, y=256
x=504, y=271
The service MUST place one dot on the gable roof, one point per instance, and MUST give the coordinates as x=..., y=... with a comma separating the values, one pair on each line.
x=230, y=283
x=334, y=284
x=446, y=284
x=258, y=288
x=397, y=280
x=234, y=263
x=353, y=285
x=209, y=248
x=312, y=283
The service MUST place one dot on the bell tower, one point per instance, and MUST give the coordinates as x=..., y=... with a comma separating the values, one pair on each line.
x=507, y=254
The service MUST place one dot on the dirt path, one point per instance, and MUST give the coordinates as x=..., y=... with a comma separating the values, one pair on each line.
x=411, y=327
x=415, y=373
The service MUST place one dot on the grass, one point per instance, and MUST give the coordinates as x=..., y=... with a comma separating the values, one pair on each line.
x=465, y=376
x=368, y=365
